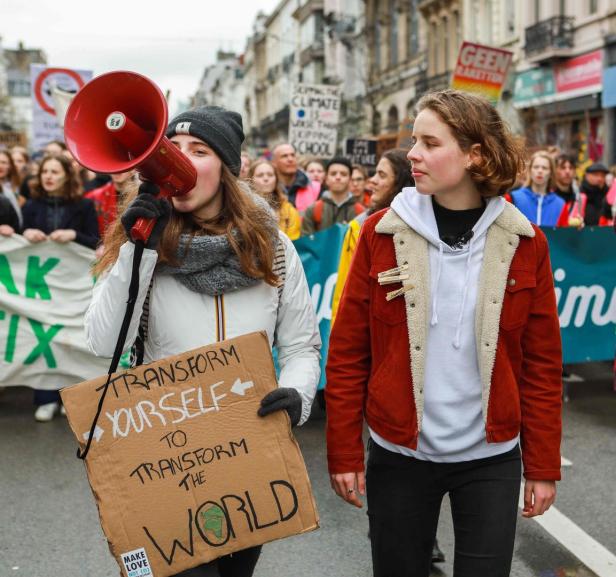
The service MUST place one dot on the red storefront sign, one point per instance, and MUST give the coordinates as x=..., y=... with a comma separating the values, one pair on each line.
x=581, y=73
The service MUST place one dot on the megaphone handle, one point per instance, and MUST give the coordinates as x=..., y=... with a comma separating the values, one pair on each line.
x=142, y=229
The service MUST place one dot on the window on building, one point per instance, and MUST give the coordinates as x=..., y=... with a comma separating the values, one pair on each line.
x=537, y=10
x=412, y=21
x=393, y=34
x=562, y=7
x=446, y=47
x=393, y=119
x=509, y=18
x=593, y=6
x=377, y=43
x=319, y=26
x=488, y=37
x=434, y=47
x=458, y=32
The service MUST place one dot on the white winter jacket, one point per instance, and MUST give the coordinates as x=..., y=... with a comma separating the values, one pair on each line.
x=180, y=319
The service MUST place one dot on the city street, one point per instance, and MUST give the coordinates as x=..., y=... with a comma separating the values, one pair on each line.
x=50, y=525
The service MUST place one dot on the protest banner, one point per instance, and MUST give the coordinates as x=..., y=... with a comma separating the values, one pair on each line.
x=481, y=70
x=182, y=468
x=361, y=151
x=313, y=119
x=44, y=81
x=585, y=283
x=320, y=255
x=45, y=290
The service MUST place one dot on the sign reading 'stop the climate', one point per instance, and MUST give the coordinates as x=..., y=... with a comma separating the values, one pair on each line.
x=313, y=120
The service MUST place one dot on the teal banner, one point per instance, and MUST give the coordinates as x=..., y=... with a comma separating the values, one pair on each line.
x=320, y=254
x=584, y=266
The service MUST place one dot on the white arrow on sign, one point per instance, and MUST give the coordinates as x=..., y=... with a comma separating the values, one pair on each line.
x=239, y=387
x=98, y=433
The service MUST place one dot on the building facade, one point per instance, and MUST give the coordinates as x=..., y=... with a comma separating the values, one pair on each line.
x=567, y=49
x=15, y=92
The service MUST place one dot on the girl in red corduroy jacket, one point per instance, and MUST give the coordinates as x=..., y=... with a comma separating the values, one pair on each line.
x=447, y=344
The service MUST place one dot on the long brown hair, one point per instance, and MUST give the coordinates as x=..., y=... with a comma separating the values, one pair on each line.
x=71, y=190
x=277, y=196
x=240, y=220
x=13, y=176
x=473, y=120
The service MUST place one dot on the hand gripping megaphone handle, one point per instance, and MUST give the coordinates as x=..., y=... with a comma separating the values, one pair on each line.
x=142, y=229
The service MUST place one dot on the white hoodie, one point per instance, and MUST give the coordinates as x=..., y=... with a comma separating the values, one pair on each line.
x=452, y=427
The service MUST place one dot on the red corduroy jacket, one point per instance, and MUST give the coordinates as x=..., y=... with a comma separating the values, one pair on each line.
x=375, y=369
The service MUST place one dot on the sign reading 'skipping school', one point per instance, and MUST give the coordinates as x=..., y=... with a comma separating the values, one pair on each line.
x=313, y=119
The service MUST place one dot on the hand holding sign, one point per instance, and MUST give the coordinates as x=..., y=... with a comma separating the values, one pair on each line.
x=283, y=398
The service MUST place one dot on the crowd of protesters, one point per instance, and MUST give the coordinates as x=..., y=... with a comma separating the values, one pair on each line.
x=247, y=210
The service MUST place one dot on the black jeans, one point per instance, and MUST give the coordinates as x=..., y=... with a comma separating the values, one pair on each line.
x=404, y=501
x=239, y=564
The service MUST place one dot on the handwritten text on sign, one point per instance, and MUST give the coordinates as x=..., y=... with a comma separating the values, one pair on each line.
x=182, y=465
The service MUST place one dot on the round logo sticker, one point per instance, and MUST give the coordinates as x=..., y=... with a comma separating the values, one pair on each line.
x=115, y=121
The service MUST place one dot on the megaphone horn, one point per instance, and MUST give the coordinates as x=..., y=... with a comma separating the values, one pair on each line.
x=116, y=123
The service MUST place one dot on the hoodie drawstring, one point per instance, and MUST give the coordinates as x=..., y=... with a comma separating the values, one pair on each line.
x=434, y=320
x=456, y=342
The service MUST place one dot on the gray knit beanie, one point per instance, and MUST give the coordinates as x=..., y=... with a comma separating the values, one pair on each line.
x=219, y=128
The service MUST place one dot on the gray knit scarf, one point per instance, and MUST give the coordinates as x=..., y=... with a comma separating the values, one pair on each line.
x=208, y=264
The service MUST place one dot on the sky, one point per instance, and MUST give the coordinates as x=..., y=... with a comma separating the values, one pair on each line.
x=171, y=42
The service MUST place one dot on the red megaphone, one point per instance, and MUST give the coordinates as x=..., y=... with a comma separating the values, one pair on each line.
x=117, y=122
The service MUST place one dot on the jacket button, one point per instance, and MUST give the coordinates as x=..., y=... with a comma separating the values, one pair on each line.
x=487, y=344
x=494, y=302
x=401, y=242
x=511, y=282
x=417, y=348
x=412, y=305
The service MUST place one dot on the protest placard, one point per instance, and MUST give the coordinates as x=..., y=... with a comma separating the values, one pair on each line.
x=45, y=125
x=182, y=468
x=313, y=119
x=481, y=70
x=361, y=151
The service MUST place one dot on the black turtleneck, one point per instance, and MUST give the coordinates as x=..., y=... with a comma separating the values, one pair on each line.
x=455, y=226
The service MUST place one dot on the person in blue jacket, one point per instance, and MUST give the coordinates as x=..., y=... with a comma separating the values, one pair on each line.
x=57, y=212
x=537, y=199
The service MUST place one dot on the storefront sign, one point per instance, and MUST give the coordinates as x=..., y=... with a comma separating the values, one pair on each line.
x=576, y=77
x=313, y=120
x=481, y=70
x=608, y=98
x=580, y=75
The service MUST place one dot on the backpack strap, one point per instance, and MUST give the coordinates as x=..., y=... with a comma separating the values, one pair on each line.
x=317, y=213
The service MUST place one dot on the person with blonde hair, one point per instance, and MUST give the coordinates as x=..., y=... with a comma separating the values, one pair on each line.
x=264, y=180
x=215, y=267
x=447, y=343
x=537, y=199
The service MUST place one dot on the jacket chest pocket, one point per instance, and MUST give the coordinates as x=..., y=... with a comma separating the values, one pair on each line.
x=518, y=299
x=390, y=312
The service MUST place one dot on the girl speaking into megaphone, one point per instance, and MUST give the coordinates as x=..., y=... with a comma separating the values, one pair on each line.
x=214, y=267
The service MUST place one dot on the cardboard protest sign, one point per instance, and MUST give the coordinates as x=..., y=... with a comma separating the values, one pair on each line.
x=313, y=119
x=45, y=290
x=182, y=468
